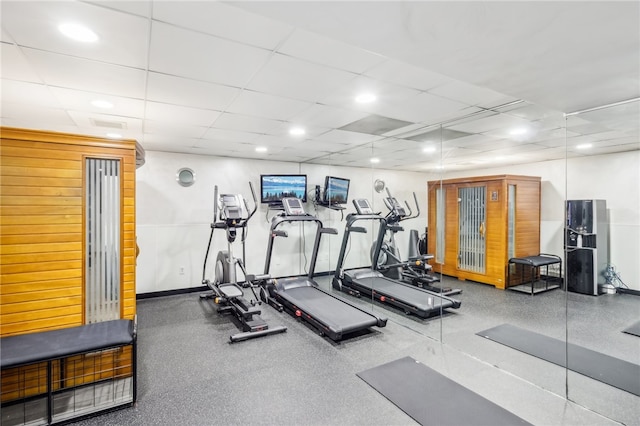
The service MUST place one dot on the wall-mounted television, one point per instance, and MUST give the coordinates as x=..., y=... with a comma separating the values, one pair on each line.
x=273, y=188
x=336, y=190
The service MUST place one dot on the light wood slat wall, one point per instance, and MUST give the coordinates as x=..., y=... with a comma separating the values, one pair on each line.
x=42, y=228
x=527, y=224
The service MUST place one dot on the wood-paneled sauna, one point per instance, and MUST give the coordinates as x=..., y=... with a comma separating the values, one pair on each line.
x=68, y=256
x=477, y=224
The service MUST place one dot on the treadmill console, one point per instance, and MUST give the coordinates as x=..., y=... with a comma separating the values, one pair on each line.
x=362, y=206
x=293, y=207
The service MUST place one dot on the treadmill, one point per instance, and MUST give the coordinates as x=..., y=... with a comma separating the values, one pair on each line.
x=371, y=282
x=301, y=296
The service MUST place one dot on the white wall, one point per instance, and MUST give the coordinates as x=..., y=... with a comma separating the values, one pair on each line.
x=173, y=221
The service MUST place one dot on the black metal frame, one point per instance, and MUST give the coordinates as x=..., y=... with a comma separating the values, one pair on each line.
x=133, y=327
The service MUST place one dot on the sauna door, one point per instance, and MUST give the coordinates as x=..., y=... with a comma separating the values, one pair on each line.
x=471, y=232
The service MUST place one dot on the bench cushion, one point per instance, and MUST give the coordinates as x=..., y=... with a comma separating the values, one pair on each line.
x=41, y=346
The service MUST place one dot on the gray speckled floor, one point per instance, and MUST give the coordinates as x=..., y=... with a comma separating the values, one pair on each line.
x=189, y=374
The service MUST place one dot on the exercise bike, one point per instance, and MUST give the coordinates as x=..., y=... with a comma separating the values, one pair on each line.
x=415, y=270
x=226, y=292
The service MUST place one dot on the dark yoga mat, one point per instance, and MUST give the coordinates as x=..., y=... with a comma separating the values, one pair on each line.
x=633, y=329
x=607, y=369
x=433, y=399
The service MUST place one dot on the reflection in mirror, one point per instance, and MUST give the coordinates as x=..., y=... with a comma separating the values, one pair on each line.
x=495, y=197
x=602, y=248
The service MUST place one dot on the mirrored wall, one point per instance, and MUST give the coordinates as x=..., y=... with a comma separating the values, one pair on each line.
x=602, y=248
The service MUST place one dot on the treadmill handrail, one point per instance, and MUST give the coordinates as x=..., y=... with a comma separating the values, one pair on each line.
x=351, y=219
x=320, y=229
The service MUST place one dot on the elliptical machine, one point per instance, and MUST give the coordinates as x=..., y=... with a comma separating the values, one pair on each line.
x=225, y=289
x=416, y=269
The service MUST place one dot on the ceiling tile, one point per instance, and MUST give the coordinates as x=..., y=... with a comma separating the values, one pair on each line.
x=500, y=122
x=81, y=100
x=81, y=74
x=207, y=58
x=325, y=116
x=423, y=108
x=267, y=106
x=127, y=46
x=106, y=122
x=323, y=50
x=407, y=75
x=171, y=131
x=222, y=135
x=386, y=93
x=297, y=79
x=15, y=66
x=347, y=138
x=34, y=117
x=248, y=123
x=135, y=7
x=467, y=93
x=179, y=115
x=223, y=20
x=28, y=93
x=182, y=91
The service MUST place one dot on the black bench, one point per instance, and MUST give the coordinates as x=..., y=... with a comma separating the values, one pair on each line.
x=44, y=373
x=535, y=263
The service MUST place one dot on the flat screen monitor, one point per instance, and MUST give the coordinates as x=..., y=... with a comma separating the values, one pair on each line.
x=336, y=190
x=273, y=188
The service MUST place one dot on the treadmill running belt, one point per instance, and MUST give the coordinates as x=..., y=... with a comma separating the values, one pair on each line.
x=430, y=398
x=633, y=329
x=598, y=366
x=338, y=315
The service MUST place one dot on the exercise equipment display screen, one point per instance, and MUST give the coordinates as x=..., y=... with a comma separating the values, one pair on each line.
x=293, y=207
x=362, y=206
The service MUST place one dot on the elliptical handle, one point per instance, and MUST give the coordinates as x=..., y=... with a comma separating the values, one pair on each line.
x=215, y=203
x=255, y=201
x=415, y=199
x=409, y=210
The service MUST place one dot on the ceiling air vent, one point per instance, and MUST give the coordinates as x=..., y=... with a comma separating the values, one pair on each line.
x=375, y=125
x=109, y=124
x=439, y=135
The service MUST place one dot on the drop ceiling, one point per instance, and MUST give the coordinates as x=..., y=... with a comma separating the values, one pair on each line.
x=459, y=84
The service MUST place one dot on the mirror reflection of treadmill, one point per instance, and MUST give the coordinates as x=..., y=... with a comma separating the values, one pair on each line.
x=372, y=283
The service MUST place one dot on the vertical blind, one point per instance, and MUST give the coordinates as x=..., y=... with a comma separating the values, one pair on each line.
x=102, y=246
x=472, y=214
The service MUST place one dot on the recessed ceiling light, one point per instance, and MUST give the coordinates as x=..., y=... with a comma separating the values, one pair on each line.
x=375, y=160
x=429, y=149
x=296, y=131
x=99, y=103
x=114, y=135
x=78, y=32
x=518, y=131
x=365, y=98
x=261, y=149
x=584, y=146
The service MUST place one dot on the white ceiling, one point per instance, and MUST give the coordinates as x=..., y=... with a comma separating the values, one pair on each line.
x=223, y=78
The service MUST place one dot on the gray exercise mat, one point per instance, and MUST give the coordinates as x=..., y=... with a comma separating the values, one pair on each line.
x=607, y=369
x=430, y=398
x=633, y=329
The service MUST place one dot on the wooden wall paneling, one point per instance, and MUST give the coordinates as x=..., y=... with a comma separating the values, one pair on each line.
x=41, y=220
